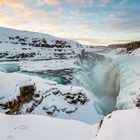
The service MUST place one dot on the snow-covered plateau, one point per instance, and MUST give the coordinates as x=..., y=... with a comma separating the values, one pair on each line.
x=57, y=89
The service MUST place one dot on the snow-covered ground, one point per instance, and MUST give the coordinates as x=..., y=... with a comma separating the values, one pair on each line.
x=34, y=127
x=119, y=125
x=43, y=78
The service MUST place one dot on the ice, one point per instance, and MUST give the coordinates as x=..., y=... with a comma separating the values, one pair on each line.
x=113, y=83
x=9, y=68
x=101, y=80
x=48, y=65
x=94, y=76
x=129, y=83
x=11, y=82
x=123, y=76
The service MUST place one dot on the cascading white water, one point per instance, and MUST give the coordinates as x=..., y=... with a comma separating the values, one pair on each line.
x=112, y=84
x=100, y=77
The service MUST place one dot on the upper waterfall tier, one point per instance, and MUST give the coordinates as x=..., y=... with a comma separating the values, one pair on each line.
x=114, y=83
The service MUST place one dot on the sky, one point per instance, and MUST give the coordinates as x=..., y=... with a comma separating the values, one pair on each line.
x=91, y=22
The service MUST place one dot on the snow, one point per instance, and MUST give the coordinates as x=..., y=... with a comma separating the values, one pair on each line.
x=13, y=81
x=123, y=75
x=115, y=83
x=120, y=125
x=48, y=65
x=10, y=84
x=38, y=66
x=40, y=53
x=6, y=32
x=136, y=52
x=129, y=72
x=13, y=47
x=108, y=79
x=34, y=127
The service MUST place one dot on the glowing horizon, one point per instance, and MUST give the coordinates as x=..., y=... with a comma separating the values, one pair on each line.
x=91, y=22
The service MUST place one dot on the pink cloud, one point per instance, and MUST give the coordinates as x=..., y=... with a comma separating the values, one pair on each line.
x=48, y=2
x=12, y=3
x=53, y=1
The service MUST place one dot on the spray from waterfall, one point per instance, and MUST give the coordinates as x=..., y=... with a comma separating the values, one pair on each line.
x=98, y=76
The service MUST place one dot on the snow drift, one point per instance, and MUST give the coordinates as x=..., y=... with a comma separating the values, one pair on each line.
x=119, y=125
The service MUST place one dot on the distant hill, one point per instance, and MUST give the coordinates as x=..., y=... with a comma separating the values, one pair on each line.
x=129, y=46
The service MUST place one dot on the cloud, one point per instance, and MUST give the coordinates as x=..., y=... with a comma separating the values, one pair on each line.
x=88, y=26
x=38, y=20
x=122, y=21
x=99, y=42
x=26, y=19
x=88, y=3
x=77, y=3
x=48, y=2
x=105, y=1
x=53, y=2
x=12, y=3
x=4, y=21
x=84, y=20
x=83, y=3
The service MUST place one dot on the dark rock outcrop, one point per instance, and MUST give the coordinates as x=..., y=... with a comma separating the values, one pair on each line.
x=129, y=46
x=26, y=95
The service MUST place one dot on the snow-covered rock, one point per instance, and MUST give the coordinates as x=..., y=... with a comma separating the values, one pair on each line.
x=17, y=45
x=120, y=125
x=50, y=98
x=131, y=48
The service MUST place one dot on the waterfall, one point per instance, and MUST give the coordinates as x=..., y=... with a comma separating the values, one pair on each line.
x=100, y=77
